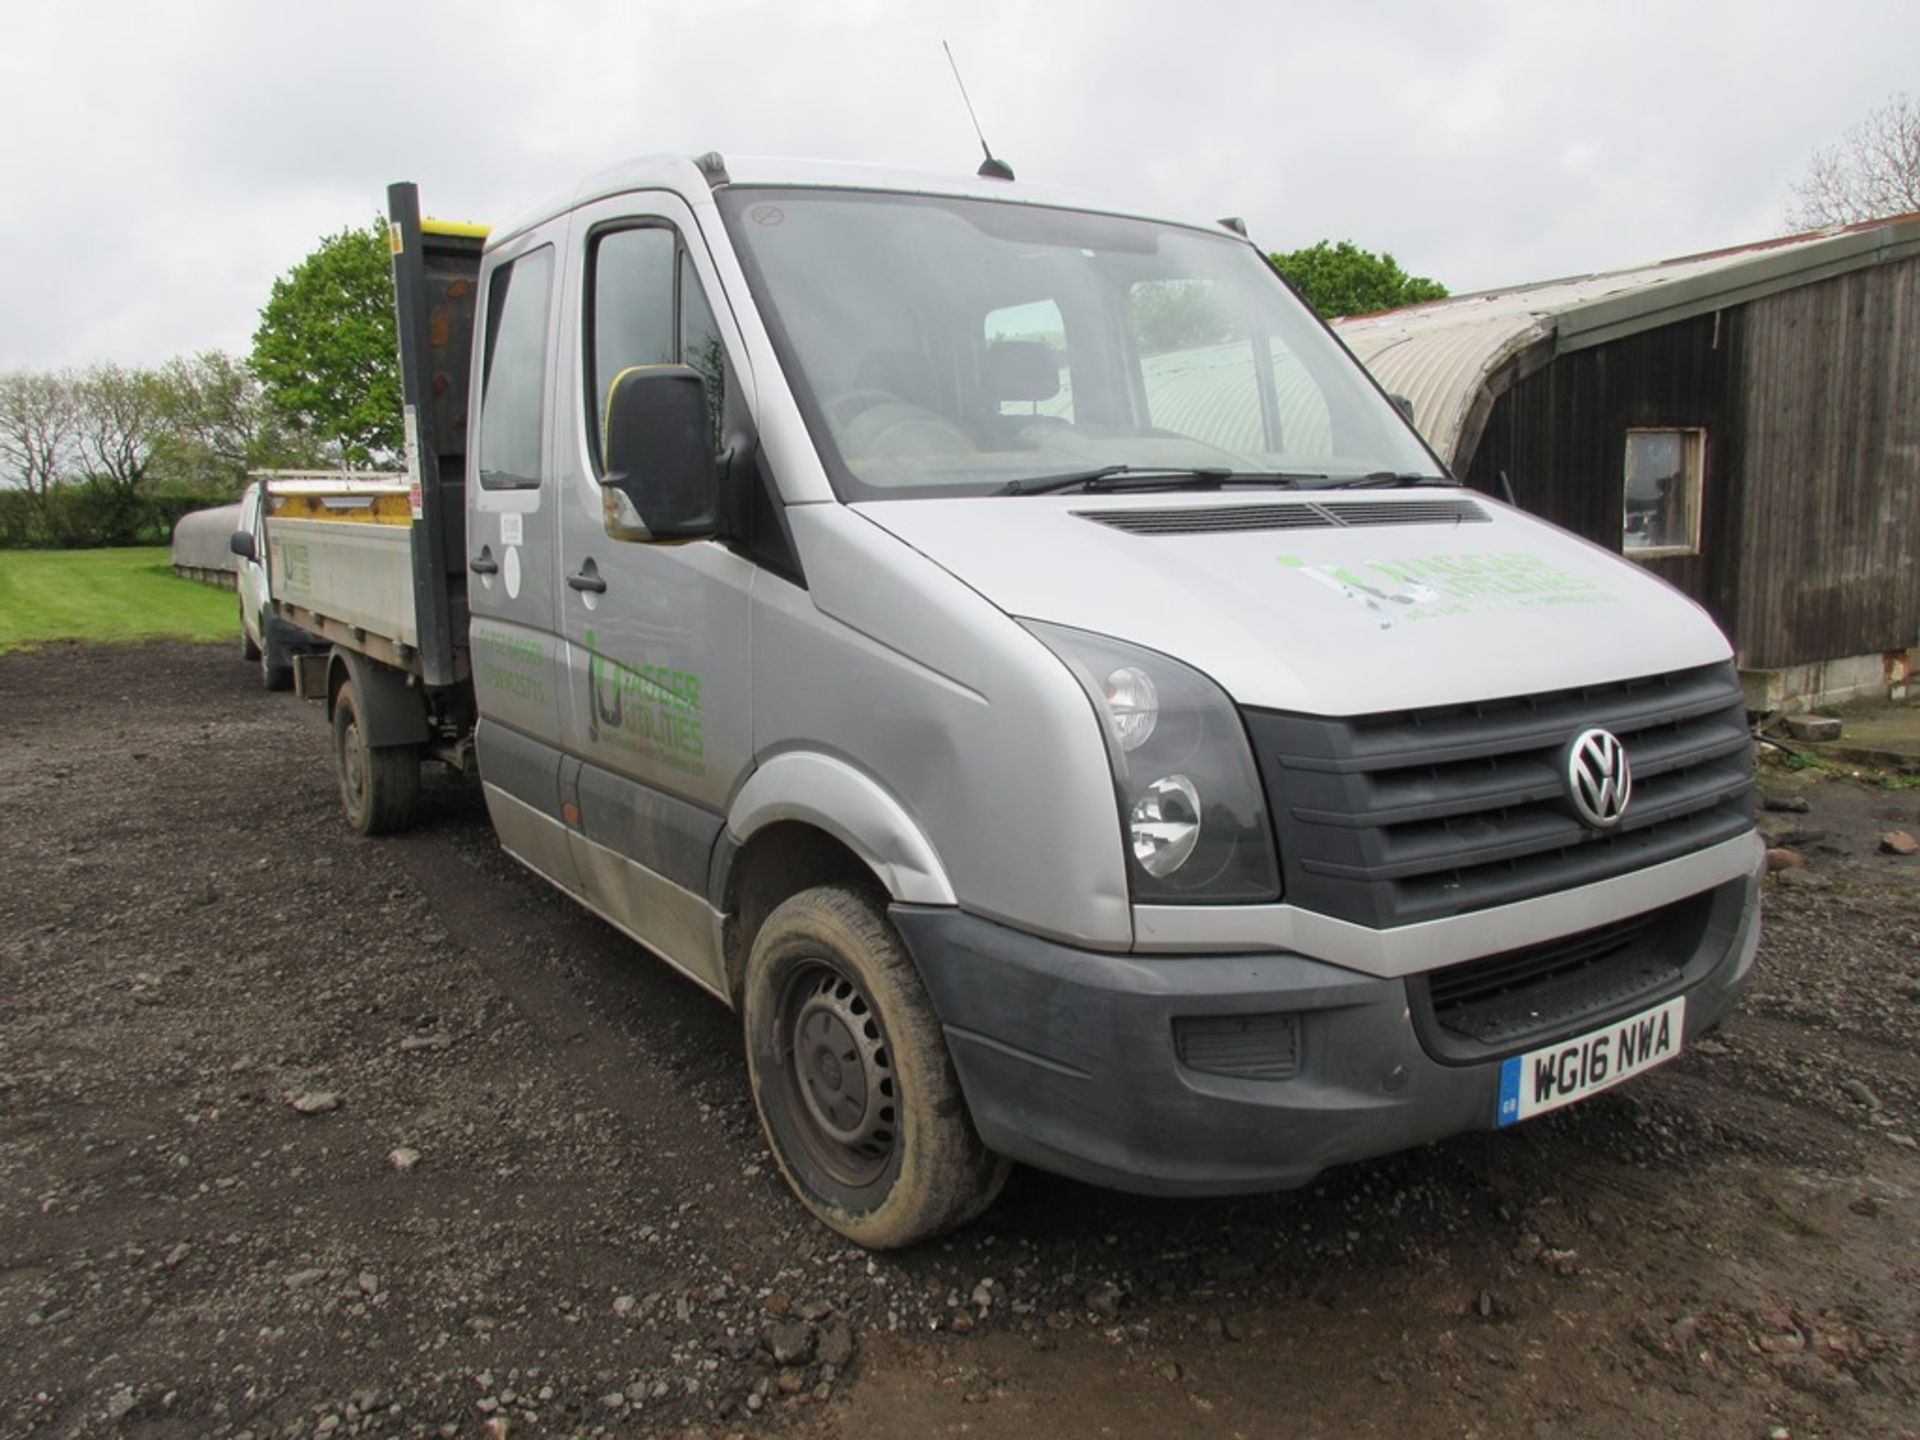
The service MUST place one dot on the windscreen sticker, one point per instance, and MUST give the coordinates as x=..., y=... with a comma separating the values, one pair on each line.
x=410, y=430
x=650, y=710
x=1428, y=587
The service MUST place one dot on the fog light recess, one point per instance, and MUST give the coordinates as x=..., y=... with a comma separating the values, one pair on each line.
x=1245, y=1047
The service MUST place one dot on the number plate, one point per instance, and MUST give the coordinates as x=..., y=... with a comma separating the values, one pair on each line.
x=1556, y=1075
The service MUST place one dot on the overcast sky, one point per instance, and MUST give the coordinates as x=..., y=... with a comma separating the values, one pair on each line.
x=164, y=161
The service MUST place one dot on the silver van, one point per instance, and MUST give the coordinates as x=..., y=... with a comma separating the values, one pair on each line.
x=1009, y=650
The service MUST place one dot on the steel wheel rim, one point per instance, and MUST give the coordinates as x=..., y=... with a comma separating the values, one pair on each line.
x=839, y=1072
x=350, y=767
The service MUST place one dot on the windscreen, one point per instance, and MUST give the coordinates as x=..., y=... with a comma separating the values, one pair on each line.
x=943, y=346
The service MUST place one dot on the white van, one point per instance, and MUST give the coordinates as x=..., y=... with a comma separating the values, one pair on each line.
x=1008, y=649
x=264, y=638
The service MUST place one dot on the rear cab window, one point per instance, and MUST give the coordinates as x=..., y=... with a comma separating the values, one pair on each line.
x=514, y=372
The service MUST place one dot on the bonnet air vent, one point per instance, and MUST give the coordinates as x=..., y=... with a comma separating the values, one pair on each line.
x=1403, y=512
x=1201, y=521
x=1295, y=515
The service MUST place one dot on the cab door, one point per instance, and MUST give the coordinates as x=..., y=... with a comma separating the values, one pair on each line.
x=250, y=575
x=656, y=633
x=511, y=543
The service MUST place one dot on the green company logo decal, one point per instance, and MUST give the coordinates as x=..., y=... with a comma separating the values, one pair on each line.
x=1430, y=586
x=651, y=710
x=511, y=664
x=296, y=567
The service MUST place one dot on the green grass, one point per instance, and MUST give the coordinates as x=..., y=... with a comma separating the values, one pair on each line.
x=106, y=595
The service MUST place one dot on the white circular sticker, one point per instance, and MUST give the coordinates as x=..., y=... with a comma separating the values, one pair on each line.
x=510, y=569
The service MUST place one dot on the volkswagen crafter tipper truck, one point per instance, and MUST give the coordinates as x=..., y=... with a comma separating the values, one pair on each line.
x=1006, y=648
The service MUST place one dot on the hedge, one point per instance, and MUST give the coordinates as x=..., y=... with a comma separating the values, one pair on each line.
x=90, y=515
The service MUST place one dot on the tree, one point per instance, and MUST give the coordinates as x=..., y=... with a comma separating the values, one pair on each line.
x=1342, y=279
x=325, y=349
x=217, y=425
x=117, y=422
x=1874, y=171
x=1178, y=315
x=38, y=421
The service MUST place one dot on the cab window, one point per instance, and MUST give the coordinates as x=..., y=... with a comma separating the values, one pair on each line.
x=1206, y=377
x=514, y=372
x=646, y=306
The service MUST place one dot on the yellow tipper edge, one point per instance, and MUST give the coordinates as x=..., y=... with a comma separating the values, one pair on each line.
x=363, y=509
x=465, y=228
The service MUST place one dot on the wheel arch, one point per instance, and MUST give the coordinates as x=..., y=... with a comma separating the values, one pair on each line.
x=806, y=819
x=392, y=710
x=846, y=803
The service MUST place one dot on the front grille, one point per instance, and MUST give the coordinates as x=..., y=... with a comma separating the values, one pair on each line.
x=1569, y=983
x=1414, y=815
x=1291, y=515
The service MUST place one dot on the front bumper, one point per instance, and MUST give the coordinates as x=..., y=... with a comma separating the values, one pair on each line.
x=1069, y=1058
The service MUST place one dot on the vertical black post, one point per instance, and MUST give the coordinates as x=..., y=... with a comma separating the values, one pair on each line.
x=410, y=301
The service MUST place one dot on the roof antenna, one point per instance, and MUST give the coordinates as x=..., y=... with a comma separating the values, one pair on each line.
x=991, y=168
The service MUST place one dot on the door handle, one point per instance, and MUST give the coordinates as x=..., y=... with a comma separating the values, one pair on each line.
x=588, y=579
x=484, y=564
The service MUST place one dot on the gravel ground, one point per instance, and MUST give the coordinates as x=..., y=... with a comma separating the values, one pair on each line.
x=307, y=1135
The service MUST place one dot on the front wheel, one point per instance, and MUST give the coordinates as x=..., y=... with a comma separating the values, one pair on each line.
x=852, y=1078
x=379, y=787
x=276, y=666
x=249, y=651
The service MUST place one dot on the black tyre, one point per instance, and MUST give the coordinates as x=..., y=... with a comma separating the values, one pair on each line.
x=276, y=666
x=855, y=1088
x=379, y=787
x=248, y=650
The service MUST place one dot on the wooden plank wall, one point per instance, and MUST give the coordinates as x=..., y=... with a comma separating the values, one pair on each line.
x=1810, y=523
x=1832, y=563
x=1561, y=436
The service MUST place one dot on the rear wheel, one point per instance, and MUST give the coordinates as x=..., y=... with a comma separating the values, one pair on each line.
x=276, y=666
x=852, y=1078
x=379, y=786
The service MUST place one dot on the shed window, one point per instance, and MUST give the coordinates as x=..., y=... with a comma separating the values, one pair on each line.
x=1665, y=470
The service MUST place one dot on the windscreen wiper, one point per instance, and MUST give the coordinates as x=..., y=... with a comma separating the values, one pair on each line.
x=1108, y=478
x=1383, y=480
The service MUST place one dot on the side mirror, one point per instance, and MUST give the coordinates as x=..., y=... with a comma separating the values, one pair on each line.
x=241, y=544
x=659, y=450
x=1404, y=406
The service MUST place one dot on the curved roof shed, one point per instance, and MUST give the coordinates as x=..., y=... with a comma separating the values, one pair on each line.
x=200, y=539
x=1453, y=358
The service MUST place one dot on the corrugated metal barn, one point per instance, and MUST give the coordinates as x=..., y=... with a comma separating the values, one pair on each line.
x=1745, y=423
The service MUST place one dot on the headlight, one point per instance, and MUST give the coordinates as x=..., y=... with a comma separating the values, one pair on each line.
x=1191, y=805
x=1134, y=705
x=1165, y=825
